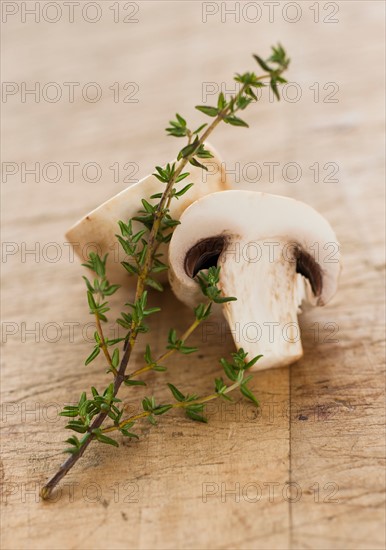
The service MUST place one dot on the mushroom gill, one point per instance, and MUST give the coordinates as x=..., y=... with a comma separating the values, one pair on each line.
x=307, y=266
x=203, y=255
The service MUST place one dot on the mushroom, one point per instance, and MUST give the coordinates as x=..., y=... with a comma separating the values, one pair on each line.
x=274, y=252
x=96, y=231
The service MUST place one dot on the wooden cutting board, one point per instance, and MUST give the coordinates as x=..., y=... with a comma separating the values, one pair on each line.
x=307, y=469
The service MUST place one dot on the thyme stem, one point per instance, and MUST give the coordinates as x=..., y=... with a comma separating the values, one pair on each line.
x=179, y=405
x=166, y=354
x=103, y=344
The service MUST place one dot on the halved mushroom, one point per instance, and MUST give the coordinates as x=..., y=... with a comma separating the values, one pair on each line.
x=273, y=252
x=97, y=230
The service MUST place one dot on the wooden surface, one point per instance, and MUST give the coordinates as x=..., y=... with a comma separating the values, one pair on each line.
x=321, y=423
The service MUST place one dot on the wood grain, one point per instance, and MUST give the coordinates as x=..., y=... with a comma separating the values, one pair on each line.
x=318, y=439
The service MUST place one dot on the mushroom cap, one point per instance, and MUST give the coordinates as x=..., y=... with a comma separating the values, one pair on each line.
x=96, y=231
x=250, y=217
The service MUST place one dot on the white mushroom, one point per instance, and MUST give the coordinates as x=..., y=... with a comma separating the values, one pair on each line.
x=273, y=252
x=97, y=230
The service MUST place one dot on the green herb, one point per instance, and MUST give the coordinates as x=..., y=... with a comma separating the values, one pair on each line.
x=94, y=409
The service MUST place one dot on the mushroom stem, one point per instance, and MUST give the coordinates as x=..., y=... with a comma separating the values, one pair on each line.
x=263, y=320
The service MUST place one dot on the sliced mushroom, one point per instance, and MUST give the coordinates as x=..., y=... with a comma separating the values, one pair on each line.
x=274, y=252
x=97, y=230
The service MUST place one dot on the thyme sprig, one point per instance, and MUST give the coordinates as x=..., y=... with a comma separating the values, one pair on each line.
x=145, y=262
x=193, y=404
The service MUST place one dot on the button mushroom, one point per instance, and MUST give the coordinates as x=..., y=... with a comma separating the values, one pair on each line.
x=97, y=230
x=274, y=252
